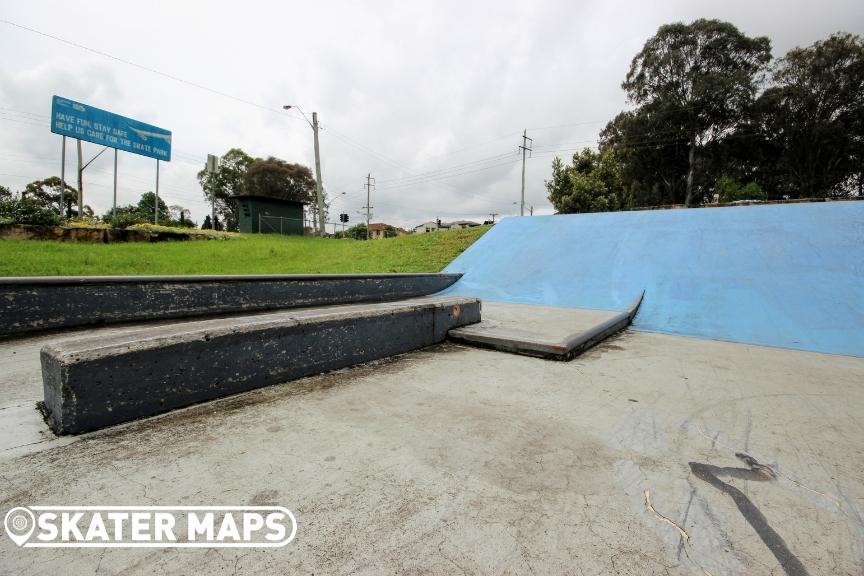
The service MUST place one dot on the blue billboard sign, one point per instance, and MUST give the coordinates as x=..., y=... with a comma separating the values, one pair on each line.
x=77, y=120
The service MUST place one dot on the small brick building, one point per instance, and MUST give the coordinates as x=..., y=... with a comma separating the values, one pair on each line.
x=261, y=214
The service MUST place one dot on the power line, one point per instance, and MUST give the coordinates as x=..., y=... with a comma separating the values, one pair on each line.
x=439, y=171
x=197, y=85
x=373, y=154
x=423, y=177
x=139, y=66
x=22, y=121
x=451, y=175
x=472, y=146
x=586, y=123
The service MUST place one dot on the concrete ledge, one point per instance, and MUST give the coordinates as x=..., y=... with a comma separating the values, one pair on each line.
x=48, y=303
x=93, y=382
x=543, y=331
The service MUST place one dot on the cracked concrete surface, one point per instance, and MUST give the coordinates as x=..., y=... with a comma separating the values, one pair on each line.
x=460, y=460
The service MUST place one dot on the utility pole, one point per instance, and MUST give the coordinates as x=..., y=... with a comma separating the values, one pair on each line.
x=493, y=214
x=525, y=147
x=319, y=223
x=370, y=183
x=80, y=180
x=318, y=176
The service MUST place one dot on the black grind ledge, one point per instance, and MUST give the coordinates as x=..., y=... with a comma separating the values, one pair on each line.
x=102, y=380
x=33, y=304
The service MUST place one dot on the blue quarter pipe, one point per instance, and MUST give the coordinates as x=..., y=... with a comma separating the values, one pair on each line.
x=788, y=275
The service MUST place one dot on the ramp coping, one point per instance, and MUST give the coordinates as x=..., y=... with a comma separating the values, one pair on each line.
x=530, y=344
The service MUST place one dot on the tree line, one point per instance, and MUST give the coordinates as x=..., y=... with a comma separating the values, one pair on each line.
x=40, y=203
x=237, y=174
x=714, y=117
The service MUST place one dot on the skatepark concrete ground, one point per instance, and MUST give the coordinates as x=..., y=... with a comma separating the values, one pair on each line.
x=453, y=459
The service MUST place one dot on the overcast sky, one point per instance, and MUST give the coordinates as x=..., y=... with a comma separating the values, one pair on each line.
x=430, y=97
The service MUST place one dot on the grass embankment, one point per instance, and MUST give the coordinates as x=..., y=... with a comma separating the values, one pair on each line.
x=248, y=254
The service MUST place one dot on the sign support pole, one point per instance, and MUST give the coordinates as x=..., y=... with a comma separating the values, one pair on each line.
x=156, y=207
x=114, y=210
x=62, y=175
x=80, y=181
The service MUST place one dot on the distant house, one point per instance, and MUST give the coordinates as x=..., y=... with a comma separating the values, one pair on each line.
x=261, y=214
x=436, y=225
x=462, y=224
x=430, y=226
x=378, y=230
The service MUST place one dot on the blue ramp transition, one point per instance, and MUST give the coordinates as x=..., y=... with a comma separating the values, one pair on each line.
x=788, y=275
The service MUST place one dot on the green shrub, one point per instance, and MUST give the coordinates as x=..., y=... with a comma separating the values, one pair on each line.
x=753, y=191
x=731, y=191
x=27, y=211
x=184, y=230
x=86, y=222
x=126, y=216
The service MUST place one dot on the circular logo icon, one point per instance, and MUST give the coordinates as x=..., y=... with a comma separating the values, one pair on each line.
x=19, y=523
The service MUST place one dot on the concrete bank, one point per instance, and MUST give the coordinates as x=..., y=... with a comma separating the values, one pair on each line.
x=48, y=303
x=781, y=275
x=90, y=383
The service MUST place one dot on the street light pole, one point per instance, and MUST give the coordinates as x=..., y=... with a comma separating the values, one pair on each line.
x=318, y=176
x=319, y=196
x=81, y=177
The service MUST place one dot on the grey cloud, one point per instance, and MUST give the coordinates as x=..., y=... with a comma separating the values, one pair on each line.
x=401, y=87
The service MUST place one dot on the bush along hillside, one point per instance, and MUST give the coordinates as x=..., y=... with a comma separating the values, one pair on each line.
x=39, y=203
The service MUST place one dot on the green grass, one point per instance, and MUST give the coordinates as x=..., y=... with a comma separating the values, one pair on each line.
x=249, y=254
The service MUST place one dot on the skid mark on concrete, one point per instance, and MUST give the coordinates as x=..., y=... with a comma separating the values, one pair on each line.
x=835, y=500
x=760, y=473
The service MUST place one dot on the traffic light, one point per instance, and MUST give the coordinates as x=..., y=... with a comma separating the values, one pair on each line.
x=343, y=218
